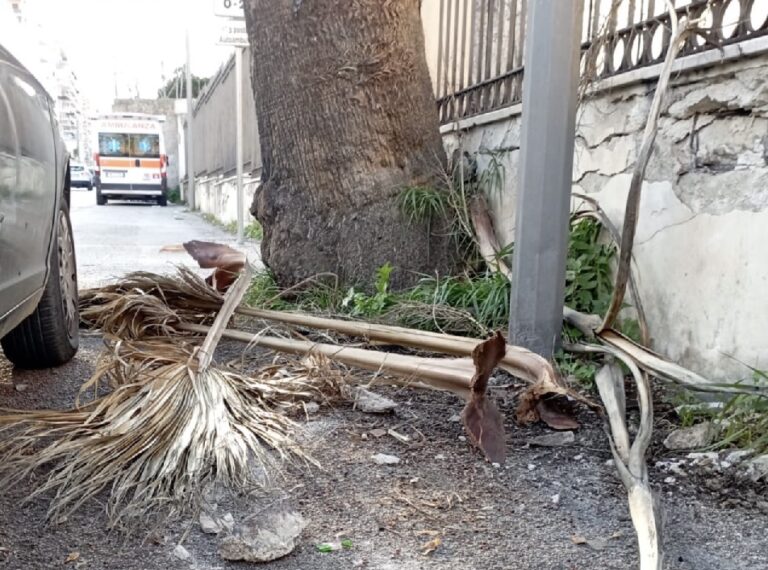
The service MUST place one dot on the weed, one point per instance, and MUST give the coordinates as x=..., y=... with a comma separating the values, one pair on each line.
x=422, y=203
x=581, y=368
x=742, y=419
x=359, y=304
x=317, y=296
x=252, y=231
x=174, y=196
x=588, y=277
x=485, y=297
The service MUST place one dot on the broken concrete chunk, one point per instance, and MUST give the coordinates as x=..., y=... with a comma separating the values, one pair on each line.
x=758, y=467
x=209, y=524
x=555, y=439
x=738, y=456
x=384, y=459
x=181, y=553
x=692, y=437
x=228, y=521
x=264, y=537
x=371, y=403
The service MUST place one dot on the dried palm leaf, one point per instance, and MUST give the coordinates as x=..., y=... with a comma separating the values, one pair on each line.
x=172, y=425
x=192, y=300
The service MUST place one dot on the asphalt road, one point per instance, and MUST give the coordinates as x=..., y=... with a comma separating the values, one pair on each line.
x=121, y=237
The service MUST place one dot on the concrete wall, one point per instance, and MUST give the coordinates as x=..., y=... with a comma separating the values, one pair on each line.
x=165, y=107
x=700, y=249
x=217, y=196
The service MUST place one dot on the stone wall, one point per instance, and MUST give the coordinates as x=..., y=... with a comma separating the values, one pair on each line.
x=700, y=251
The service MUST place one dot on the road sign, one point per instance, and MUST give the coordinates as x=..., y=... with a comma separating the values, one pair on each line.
x=233, y=34
x=229, y=8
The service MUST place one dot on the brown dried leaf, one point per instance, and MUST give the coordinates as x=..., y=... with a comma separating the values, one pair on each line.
x=555, y=416
x=226, y=262
x=72, y=557
x=429, y=547
x=545, y=401
x=482, y=420
x=172, y=248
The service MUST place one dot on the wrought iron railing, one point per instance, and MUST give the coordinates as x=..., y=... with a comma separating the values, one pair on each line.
x=481, y=43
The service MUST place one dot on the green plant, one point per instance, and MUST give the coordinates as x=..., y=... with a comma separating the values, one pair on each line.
x=422, y=203
x=174, y=195
x=581, y=368
x=319, y=296
x=252, y=231
x=361, y=305
x=742, y=419
x=588, y=277
x=484, y=296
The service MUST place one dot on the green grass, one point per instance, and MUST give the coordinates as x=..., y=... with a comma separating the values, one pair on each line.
x=252, y=231
x=743, y=419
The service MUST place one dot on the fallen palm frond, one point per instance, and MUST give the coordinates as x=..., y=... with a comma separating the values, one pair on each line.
x=172, y=425
x=190, y=299
x=518, y=361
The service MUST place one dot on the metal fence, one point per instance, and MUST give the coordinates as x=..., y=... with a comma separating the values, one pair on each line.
x=213, y=127
x=481, y=43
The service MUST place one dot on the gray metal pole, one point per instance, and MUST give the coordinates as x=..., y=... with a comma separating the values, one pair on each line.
x=239, y=138
x=546, y=161
x=190, y=136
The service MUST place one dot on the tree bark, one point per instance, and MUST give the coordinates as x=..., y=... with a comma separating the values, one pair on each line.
x=347, y=120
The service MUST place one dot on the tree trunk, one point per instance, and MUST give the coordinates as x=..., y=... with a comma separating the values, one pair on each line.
x=347, y=120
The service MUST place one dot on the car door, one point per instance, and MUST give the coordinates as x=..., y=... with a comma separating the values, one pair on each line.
x=29, y=183
x=9, y=180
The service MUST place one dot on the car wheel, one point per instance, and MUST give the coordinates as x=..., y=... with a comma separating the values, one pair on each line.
x=90, y=187
x=101, y=200
x=50, y=335
x=162, y=200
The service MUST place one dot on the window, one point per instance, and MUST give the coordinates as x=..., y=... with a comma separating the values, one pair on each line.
x=113, y=144
x=145, y=146
x=132, y=145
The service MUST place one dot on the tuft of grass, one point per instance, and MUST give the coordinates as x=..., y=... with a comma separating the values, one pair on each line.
x=252, y=231
x=485, y=297
x=742, y=419
x=422, y=203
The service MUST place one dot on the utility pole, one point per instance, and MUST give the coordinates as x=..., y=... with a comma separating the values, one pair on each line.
x=546, y=163
x=190, y=136
x=239, y=139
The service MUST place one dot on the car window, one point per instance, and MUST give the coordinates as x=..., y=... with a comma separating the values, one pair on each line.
x=145, y=146
x=76, y=168
x=113, y=144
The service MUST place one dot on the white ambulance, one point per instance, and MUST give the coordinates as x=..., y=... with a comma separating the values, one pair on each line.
x=131, y=162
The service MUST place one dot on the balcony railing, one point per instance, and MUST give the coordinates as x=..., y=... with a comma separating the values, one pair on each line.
x=481, y=43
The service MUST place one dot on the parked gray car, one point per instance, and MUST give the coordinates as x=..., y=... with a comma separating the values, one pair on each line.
x=38, y=277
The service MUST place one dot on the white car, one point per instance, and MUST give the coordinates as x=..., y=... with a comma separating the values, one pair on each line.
x=80, y=176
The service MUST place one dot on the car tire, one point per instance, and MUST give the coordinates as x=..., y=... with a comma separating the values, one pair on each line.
x=162, y=200
x=90, y=187
x=101, y=200
x=50, y=335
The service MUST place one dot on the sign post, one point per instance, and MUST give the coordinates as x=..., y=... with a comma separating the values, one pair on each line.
x=233, y=33
x=239, y=140
x=190, y=136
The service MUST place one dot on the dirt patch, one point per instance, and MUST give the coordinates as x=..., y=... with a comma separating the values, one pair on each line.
x=523, y=514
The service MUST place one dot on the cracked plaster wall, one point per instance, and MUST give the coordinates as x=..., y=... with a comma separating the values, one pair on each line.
x=702, y=240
